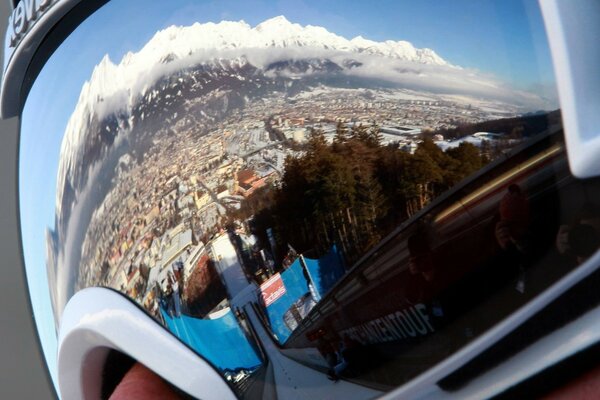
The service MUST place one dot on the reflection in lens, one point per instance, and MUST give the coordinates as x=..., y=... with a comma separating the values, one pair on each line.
x=280, y=194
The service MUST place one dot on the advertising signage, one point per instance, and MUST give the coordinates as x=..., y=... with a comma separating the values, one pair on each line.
x=272, y=289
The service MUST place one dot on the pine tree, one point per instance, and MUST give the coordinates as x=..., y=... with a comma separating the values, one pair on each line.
x=467, y=160
x=372, y=206
x=341, y=133
x=435, y=164
x=316, y=140
x=360, y=133
x=375, y=137
x=424, y=176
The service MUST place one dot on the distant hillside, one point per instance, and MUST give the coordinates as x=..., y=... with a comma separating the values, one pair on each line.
x=524, y=126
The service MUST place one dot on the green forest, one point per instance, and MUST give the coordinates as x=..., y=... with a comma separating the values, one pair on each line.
x=356, y=190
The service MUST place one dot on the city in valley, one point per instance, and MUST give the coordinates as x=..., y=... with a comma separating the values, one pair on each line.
x=165, y=218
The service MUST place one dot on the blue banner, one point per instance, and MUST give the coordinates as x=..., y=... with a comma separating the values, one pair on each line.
x=221, y=340
x=286, y=312
x=325, y=271
x=296, y=287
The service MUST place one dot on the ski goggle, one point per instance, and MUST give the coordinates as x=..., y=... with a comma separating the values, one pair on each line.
x=309, y=199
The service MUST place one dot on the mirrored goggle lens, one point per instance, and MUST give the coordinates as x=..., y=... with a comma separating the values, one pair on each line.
x=368, y=205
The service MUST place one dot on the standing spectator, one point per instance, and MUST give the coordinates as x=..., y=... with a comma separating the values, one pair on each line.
x=512, y=234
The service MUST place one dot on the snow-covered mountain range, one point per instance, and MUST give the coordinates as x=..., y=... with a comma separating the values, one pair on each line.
x=178, y=47
x=116, y=87
x=278, y=32
x=276, y=54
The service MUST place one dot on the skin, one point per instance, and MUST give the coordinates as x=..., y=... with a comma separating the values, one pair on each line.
x=141, y=383
x=584, y=388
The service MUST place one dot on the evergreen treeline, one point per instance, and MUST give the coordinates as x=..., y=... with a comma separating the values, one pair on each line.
x=354, y=191
x=513, y=128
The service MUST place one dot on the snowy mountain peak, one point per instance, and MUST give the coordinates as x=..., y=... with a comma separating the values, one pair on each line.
x=280, y=19
x=360, y=41
x=279, y=22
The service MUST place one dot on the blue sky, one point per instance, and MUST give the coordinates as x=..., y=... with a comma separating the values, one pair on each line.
x=505, y=38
